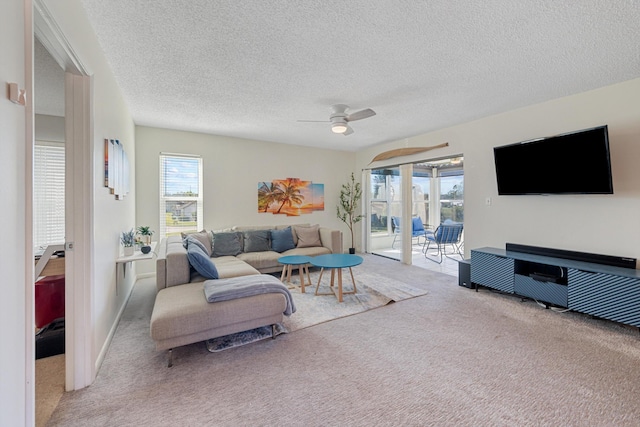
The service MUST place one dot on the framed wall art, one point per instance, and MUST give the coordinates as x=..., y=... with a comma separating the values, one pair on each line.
x=116, y=168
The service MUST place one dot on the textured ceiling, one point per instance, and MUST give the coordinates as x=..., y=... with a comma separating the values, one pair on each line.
x=251, y=69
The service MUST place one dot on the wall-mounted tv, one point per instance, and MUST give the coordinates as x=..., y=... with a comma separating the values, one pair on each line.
x=571, y=163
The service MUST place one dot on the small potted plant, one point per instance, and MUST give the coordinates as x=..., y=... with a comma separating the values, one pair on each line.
x=350, y=195
x=128, y=240
x=146, y=232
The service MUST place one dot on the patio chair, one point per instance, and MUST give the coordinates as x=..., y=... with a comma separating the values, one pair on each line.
x=446, y=234
x=417, y=229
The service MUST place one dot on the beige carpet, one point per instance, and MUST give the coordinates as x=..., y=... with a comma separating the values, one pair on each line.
x=453, y=357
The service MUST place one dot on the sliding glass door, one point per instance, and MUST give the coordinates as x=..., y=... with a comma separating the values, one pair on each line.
x=452, y=197
x=436, y=193
x=385, y=203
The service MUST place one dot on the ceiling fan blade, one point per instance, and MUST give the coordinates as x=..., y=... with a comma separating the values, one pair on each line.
x=349, y=131
x=359, y=115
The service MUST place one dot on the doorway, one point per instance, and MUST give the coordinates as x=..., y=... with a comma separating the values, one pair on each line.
x=49, y=230
x=384, y=205
x=79, y=367
x=436, y=188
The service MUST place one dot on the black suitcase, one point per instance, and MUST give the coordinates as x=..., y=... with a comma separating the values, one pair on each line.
x=50, y=339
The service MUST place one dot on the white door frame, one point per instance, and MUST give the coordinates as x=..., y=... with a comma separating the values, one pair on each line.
x=79, y=367
x=29, y=287
x=365, y=210
x=406, y=176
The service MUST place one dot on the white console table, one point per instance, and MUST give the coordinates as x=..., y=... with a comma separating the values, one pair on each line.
x=123, y=260
x=137, y=255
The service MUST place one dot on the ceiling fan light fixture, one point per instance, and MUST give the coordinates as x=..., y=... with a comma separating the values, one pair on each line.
x=339, y=127
x=340, y=120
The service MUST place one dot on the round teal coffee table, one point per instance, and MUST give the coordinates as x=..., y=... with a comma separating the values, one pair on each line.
x=289, y=262
x=336, y=262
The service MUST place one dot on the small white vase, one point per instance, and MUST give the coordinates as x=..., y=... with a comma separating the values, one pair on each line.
x=128, y=250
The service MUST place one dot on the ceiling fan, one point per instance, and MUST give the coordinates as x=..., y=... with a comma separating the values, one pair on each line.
x=339, y=118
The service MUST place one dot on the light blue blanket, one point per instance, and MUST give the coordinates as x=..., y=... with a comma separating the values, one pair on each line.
x=245, y=286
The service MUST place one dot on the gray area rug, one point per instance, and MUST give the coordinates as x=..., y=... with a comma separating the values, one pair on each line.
x=453, y=357
x=373, y=290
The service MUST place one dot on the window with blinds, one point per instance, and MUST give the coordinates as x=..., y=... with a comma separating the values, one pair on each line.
x=48, y=194
x=180, y=194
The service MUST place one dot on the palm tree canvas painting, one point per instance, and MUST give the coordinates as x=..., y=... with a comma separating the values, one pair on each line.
x=293, y=197
x=318, y=196
x=268, y=194
x=290, y=196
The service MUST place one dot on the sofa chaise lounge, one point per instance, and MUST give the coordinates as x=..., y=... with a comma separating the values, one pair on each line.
x=181, y=314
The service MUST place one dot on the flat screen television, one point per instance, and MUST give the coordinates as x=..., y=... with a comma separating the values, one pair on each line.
x=572, y=163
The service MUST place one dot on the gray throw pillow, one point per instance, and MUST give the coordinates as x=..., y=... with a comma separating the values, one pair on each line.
x=308, y=237
x=257, y=241
x=191, y=240
x=225, y=244
x=203, y=236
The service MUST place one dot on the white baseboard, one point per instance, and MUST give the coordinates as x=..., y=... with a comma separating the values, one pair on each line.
x=112, y=331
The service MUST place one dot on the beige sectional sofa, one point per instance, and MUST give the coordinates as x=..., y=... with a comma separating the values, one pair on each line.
x=181, y=315
x=172, y=265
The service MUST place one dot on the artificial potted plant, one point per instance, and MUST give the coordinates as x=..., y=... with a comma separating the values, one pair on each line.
x=146, y=232
x=128, y=240
x=350, y=195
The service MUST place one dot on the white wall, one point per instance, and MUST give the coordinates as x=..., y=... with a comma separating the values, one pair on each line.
x=111, y=119
x=13, y=366
x=49, y=128
x=232, y=169
x=605, y=224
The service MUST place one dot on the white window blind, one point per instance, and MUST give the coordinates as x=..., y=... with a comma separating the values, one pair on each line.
x=48, y=194
x=180, y=194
